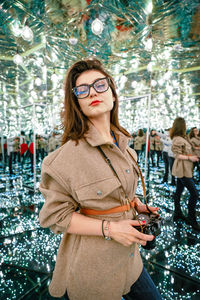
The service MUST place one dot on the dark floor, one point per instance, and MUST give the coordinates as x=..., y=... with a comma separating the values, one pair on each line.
x=28, y=252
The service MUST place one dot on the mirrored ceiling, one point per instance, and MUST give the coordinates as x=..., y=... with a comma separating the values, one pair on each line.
x=150, y=47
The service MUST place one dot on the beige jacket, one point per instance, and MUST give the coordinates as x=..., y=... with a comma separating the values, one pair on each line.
x=158, y=145
x=182, y=168
x=195, y=141
x=152, y=142
x=139, y=141
x=90, y=267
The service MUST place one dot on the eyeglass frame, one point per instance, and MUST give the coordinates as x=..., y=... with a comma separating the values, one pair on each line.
x=92, y=85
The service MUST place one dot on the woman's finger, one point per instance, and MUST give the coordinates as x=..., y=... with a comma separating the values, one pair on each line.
x=137, y=223
x=141, y=242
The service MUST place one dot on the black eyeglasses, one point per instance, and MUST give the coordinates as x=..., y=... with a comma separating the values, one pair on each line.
x=100, y=85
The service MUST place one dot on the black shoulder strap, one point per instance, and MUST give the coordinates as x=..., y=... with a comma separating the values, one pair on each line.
x=141, y=176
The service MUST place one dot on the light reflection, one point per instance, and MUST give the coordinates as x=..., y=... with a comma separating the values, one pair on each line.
x=18, y=59
x=27, y=33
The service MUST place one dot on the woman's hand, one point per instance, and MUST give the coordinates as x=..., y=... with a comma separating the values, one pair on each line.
x=193, y=158
x=124, y=233
x=141, y=208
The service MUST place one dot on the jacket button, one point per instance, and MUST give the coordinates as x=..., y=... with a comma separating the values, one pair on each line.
x=127, y=171
x=99, y=193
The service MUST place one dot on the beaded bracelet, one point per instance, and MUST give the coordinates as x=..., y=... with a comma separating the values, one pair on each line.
x=107, y=227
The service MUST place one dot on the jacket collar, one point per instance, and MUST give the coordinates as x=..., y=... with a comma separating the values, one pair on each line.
x=94, y=138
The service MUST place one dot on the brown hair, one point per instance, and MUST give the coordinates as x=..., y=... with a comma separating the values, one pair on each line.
x=74, y=122
x=178, y=128
x=140, y=132
x=191, y=133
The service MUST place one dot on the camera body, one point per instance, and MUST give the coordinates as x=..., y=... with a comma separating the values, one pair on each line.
x=152, y=226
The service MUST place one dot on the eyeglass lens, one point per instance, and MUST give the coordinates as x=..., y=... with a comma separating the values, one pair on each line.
x=100, y=85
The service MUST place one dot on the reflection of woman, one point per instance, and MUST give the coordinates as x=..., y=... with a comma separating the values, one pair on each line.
x=167, y=154
x=98, y=257
x=139, y=141
x=195, y=141
x=158, y=148
x=152, y=146
x=183, y=169
x=16, y=150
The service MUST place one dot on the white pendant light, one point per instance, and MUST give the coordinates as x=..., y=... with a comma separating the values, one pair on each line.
x=27, y=33
x=18, y=60
x=38, y=81
x=97, y=26
x=73, y=40
x=54, y=77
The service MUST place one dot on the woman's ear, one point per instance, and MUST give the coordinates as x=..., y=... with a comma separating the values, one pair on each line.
x=113, y=99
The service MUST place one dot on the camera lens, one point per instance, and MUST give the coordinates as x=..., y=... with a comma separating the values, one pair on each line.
x=150, y=245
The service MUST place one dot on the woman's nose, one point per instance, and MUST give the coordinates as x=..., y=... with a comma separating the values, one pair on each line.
x=92, y=92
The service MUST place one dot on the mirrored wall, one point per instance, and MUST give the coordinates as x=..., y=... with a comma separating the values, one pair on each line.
x=149, y=47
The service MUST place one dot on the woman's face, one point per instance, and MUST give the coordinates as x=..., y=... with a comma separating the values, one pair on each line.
x=196, y=131
x=95, y=104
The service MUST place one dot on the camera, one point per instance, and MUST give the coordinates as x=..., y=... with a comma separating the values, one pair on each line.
x=152, y=226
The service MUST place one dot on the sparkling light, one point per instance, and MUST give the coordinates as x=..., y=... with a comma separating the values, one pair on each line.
x=54, y=77
x=18, y=59
x=27, y=33
x=97, y=26
x=15, y=27
x=61, y=92
x=148, y=45
x=38, y=81
x=153, y=82
x=149, y=8
x=55, y=99
x=149, y=67
x=73, y=40
x=134, y=84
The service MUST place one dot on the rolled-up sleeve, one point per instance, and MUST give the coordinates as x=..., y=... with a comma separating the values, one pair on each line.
x=177, y=147
x=59, y=205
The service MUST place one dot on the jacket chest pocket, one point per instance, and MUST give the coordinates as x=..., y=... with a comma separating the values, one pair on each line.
x=97, y=190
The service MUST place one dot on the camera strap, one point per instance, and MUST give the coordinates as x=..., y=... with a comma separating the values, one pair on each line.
x=114, y=171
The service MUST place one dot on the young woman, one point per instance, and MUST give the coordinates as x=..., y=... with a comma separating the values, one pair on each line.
x=98, y=257
x=183, y=170
x=195, y=141
x=139, y=142
x=158, y=148
x=152, y=146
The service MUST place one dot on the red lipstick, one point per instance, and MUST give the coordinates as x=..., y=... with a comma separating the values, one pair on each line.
x=95, y=102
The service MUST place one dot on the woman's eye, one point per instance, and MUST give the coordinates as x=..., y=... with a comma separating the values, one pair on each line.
x=100, y=85
x=82, y=90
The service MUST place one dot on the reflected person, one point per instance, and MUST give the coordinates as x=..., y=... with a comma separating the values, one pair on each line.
x=195, y=141
x=183, y=170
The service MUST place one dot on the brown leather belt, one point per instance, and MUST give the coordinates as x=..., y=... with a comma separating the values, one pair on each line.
x=113, y=210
